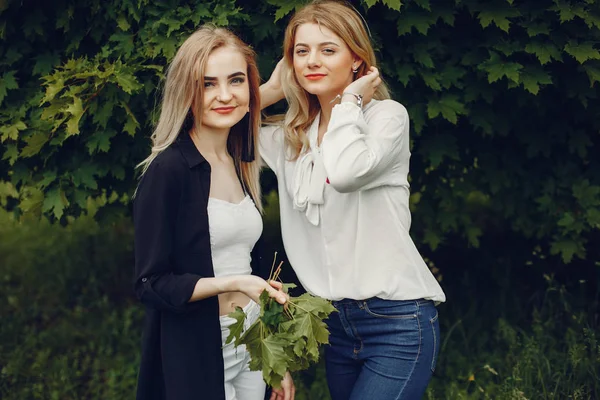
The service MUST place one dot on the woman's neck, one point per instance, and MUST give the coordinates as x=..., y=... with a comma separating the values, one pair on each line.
x=326, y=104
x=210, y=143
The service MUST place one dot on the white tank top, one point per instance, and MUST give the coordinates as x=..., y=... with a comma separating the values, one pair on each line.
x=234, y=229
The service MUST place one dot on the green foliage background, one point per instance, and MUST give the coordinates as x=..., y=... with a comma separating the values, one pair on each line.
x=503, y=97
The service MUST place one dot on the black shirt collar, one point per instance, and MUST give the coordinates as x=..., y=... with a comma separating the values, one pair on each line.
x=189, y=151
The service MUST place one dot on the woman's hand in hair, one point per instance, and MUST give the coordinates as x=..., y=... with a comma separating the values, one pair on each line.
x=287, y=390
x=366, y=86
x=271, y=91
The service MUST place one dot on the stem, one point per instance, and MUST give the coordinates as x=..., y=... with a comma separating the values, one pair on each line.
x=278, y=271
x=273, y=266
x=296, y=305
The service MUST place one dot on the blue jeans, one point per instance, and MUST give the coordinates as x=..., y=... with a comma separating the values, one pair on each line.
x=381, y=349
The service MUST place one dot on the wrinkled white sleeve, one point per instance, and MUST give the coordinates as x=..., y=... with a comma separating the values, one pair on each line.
x=358, y=155
x=270, y=143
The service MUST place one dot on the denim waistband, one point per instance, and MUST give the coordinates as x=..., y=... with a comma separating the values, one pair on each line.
x=419, y=302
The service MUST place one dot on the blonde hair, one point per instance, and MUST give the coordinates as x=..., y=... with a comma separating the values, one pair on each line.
x=303, y=107
x=184, y=90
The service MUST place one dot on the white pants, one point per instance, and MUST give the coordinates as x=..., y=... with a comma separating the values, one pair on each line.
x=240, y=382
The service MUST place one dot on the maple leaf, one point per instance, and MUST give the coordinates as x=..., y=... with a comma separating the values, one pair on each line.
x=7, y=82
x=11, y=131
x=370, y=3
x=533, y=77
x=271, y=310
x=32, y=200
x=273, y=358
x=404, y=72
x=100, y=141
x=567, y=248
x=537, y=28
x=318, y=305
x=35, y=143
x=311, y=327
x=499, y=15
x=498, y=68
x=593, y=73
x=252, y=339
x=11, y=153
x=55, y=201
x=287, y=286
x=393, y=4
x=582, y=51
x=283, y=340
x=299, y=346
x=76, y=110
x=448, y=105
x=236, y=329
x=45, y=63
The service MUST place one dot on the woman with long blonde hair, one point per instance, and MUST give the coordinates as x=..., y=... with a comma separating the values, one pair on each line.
x=341, y=156
x=197, y=218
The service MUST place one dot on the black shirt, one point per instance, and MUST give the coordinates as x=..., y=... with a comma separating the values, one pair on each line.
x=181, y=345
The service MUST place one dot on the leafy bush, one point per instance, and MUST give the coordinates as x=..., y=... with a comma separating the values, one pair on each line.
x=502, y=98
x=71, y=328
x=554, y=353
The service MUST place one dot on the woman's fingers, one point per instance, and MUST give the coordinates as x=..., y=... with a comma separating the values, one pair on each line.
x=374, y=75
x=276, y=284
x=278, y=295
x=276, y=394
x=376, y=83
x=289, y=389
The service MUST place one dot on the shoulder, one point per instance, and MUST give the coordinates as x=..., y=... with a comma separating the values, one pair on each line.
x=168, y=162
x=271, y=139
x=271, y=131
x=165, y=171
x=171, y=159
x=385, y=109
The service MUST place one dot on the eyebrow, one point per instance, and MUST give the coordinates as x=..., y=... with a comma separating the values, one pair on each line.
x=320, y=44
x=212, y=78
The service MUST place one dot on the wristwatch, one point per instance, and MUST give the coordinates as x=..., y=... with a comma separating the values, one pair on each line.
x=359, y=98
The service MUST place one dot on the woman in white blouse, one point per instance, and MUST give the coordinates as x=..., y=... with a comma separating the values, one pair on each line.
x=341, y=156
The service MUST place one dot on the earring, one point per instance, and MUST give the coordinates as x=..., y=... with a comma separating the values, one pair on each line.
x=355, y=70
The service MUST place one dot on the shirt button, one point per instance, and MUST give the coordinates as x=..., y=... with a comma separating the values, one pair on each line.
x=144, y=279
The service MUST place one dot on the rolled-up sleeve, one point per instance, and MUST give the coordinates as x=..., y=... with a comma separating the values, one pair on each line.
x=360, y=156
x=155, y=210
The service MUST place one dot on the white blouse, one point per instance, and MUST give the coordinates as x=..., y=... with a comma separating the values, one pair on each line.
x=344, y=208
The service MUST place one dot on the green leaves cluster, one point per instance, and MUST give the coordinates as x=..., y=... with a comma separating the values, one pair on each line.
x=78, y=85
x=283, y=338
x=502, y=97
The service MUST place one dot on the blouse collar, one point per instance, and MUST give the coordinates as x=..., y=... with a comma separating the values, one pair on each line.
x=310, y=177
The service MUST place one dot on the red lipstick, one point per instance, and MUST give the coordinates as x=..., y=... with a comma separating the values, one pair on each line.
x=224, y=110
